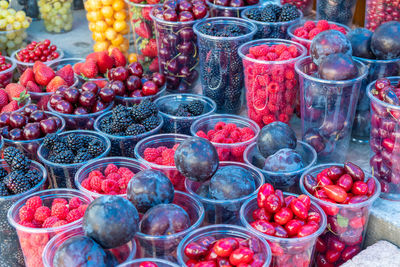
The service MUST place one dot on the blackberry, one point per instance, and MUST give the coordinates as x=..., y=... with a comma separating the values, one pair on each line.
x=85, y=140
x=3, y=190
x=50, y=140
x=268, y=15
x=34, y=177
x=277, y=9
x=150, y=123
x=64, y=157
x=82, y=157
x=147, y=104
x=20, y=162
x=196, y=107
x=105, y=125
x=182, y=112
x=96, y=147
x=135, y=129
x=58, y=148
x=17, y=182
x=9, y=154
x=121, y=118
x=73, y=142
x=289, y=12
x=3, y=173
x=254, y=14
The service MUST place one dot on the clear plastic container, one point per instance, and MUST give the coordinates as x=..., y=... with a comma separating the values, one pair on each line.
x=227, y=151
x=138, y=262
x=181, y=125
x=57, y=15
x=168, y=140
x=34, y=240
x=22, y=66
x=7, y=75
x=162, y=246
x=285, y=181
x=263, y=104
x=276, y=30
x=305, y=5
x=222, y=71
x=341, y=11
x=122, y=253
x=224, y=231
x=226, y=11
x=12, y=40
x=124, y=145
x=346, y=223
x=327, y=110
x=378, y=12
x=62, y=175
x=131, y=101
x=30, y=147
x=177, y=52
x=223, y=211
x=297, y=251
x=11, y=253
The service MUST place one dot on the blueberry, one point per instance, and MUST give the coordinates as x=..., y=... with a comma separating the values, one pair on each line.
x=111, y=221
x=285, y=160
x=327, y=43
x=360, y=40
x=149, y=188
x=164, y=219
x=275, y=136
x=385, y=42
x=231, y=182
x=197, y=159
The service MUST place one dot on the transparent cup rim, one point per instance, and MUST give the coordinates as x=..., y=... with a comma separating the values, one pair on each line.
x=78, y=59
x=75, y=116
x=13, y=65
x=320, y=230
x=128, y=98
x=277, y=23
x=176, y=96
x=174, y=23
x=28, y=64
x=380, y=102
x=270, y=41
x=380, y=61
x=326, y=203
x=230, y=7
x=76, y=81
x=161, y=261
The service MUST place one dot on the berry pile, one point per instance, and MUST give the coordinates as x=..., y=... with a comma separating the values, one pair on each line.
x=38, y=51
x=304, y=5
x=57, y=15
x=13, y=97
x=113, y=181
x=193, y=108
x=72, y=148
x=182, y=11
x=340, y=11
x=21, y=177
x=378, y=12
x=274, y=13
x=231, y=3
x=271, y=89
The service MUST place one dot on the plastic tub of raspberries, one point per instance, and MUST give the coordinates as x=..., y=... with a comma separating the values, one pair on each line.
x=234, y=246
x=7, y=67
x=230, y=134
x=341, y=11
x=271, y=81
x=125, y=126
x=181, y=110
x=40, y=216
x=229, y=8
x=289, y=223
x=12, y=190
x=63, y=154
x=273, y=20
x=346, y=194
x=149, y=262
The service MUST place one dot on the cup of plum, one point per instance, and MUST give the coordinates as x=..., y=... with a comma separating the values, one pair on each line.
x=40, y=216
x=345, y=193
x=221, y=69
x=148, y=262
x=229, y=8
x=224, y=245
x=7, y=67
x=289, y=223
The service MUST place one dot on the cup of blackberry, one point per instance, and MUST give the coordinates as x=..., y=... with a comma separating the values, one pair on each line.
x=341, y=11
x=125, y=126
x=229, y=8
x=179, y=111
x=63, y=154
x=304, y=5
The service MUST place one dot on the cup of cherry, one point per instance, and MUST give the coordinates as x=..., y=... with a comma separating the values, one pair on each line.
x=229, y=8
x=7, y=67
x=346, y=193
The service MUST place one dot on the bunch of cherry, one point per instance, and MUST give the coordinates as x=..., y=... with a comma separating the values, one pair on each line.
x=38, y=51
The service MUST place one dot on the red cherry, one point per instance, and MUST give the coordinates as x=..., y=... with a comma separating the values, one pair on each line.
x=307, y=229
x=283, y=216
x=293, y=227
x=349, y=252
x=263, y=227
x=32, y=131
x=224, y=247
x=241, y=256
x=90, y=86
x=195, y=251
x=48, y=126
x=299, y=209
x=149, y=88
x=64, y=107
x=335, y=172
x=136, y=69
x=359, y=188
x=107, y=94
x=263, y=193
x=345, y=182
x=320, y=245
x=314, y=216
x=273, y=203
x=261, y=214
x=332, y=256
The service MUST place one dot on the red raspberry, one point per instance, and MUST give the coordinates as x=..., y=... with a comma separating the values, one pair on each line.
x=235, y=135
x=125, y=172
x=300, y=32
x=60, y=223
x=109, y=185
x=228, y=141
x=238, y=151
x=27, y=224
x=225, y=132
x=219, y=126
x=323, y=25
x=123, y=183
x=211, y=133
x=284, y=118
x=59, y=200
x=59, y=210
x=247, y=130
x=268, y=119
x=288, y=110
x=37, y=223
x=272, y=107
x=201, y=134
x=96, y=173
x=42, y=213
x=290, y=84
x=150, y=154
x=230, y=127
x=223, y=154
x=285, y=55
x=293, y=51
x=313, y=33
x=218, y=138
x=273, y=87
x=168, y=157
x=82, y=208
x=49, y=222
x=74, y=215
x=95, y=183
x=342, y=30
x=272, y=56
x=86, y=184
x=279, y=49
x=74, y=203
x=111, y=168
x=34, y=202
x=26, y=213
x=309, y=25
x=159, y=161
x=160, y=149
x=175, y=147
x=113, y=176
x=257, y=51
x=289, y=74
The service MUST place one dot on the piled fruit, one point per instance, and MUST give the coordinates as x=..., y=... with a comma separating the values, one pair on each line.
x=13, y=97
x=340, y=11
x=272, y=87
x=190, y=109
x=56, y=15
x=21, y=176
x=12, y=28
x=6, y=72
x=378, y=12
x=229, y=8
x=183, y=11
x=108, y=24
x=304, y=5
x=38, y=51
x=347, y=185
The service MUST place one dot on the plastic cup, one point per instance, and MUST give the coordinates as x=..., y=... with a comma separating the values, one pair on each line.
x=297, y=251
x=57, y=15
x=220, y=231
x=378, y=12
x=30, y=147
x=124, y=145
x=169, y=104
x=327, y=110
x=177, y=52
x=131, y=101
x=277, y=30
x=101, y=82
x=168, y=140
x=285, y=181
x=161, y=246
x=138, y=262
x=62, y=175
x=305, y=6
x=229, y=151
x=263, y=104
x=122, y=253
x=341, y=11
x=34, y=240
x=101, y=164
x=346, y=223
x=7, y=75
x=22, y=66
x=12, y=40
x=226, y=11
x=11, y=253
x=223, y=211
x=222, y=71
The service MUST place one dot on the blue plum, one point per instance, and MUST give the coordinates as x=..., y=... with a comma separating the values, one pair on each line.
x=284, y=160
x=275, y=136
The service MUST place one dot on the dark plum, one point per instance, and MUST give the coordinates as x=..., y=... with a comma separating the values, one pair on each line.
x=385, y=42
x=136, y=69
x=284, y=160
x=337, y=67
x=360, y=39
x=133, y=83
x=275, y=136
x=327, y=43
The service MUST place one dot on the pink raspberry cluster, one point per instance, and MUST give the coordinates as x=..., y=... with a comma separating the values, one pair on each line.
x=310, y=29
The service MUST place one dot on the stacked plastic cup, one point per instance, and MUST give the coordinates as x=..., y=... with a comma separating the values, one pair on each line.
x=22, y=66
x=380, y=11
x=219, y=9
x=341, y=11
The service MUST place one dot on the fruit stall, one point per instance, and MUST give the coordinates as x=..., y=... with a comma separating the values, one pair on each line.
x=199, y=133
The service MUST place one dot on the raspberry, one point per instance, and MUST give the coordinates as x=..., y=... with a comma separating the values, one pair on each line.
x=59, y=223
x=211, y=133
x=230, y=127
x=313, y=33
x=86, y=184
x=218, y=138
x=223, y=153
x=342, y=30
x=168, y=157
x=26, y=213
x=289, y=74
x=247, y=130
x=27, y=224
x=284, y=118
x=228, y=141
x=59, y=210
x=150, y=154
x=123, y=183
x=288, y=110
x=279, y=49
x=34, y=202
x=74, y=215
x=96, y=173
x=272, y=56
x=219, y=126
x=95, y=183
x=74, y=203
x=125, y=172
x=82, y=208
x=273, y=88
x=160, y=149
x=49, y=222
x=111, y=168
x=159, y=161
x=309, y=25
x=323, y=25
x=113, y=176
x=238, y=151
x=293, y=51
x=268, y=119
x=225, y=132
x=201, y=134
x=175, y=147
x=235, y=135
x=109, y=185
x=256, y=51
x=300, y=32
x=272, y=107
x=59, y=200
x=42, y=213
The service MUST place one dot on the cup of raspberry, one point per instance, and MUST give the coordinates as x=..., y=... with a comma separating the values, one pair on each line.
x=229, y=8
x=304, y=5
x=271, y=81
x=181, y=110
x=148, y=262
x=289, y=223
x=40, y=216
x=7, y=67
x=346, y=193
x=221, y=69
x=229, y=245
x=380, y=11
x=341, y=11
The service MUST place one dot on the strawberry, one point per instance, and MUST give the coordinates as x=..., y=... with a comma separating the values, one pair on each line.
x=43, y=73
x=27, y=76
x=12, y=106
x=33, y=87
x=119, y=58
x=77, y=68
x=144, y=30
x=150, y=49
x=3, y=98
x=67, y=73
x=15, y=90
x=146, y=13
x=93, y=56
x=154, y=65
x=89, y=68
x=55, y=83
x=104, y=62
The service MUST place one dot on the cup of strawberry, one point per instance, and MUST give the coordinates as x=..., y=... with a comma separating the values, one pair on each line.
x=346, y=193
